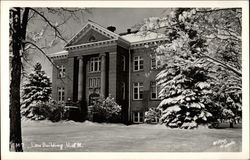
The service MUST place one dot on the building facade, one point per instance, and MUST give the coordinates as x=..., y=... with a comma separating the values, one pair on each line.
x=97, y=61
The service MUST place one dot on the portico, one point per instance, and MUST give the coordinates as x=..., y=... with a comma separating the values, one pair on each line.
x=94, y=74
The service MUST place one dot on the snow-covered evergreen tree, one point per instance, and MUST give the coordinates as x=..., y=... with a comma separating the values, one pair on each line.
x=185, y=95
x=199, y=56
x=36, y=90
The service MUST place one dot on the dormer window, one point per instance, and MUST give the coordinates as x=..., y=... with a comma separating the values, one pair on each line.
x=92, y=39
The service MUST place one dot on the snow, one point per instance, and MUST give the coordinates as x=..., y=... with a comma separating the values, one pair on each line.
x=172, y=100
x=223, y=143
x=142, y=36
x=103, y=137
x=196, y=105
x=203, y=85
x=174, y=108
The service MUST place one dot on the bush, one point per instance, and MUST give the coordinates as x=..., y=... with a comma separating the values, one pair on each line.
x=51, y=111
x=152, y=115
x=107, y=110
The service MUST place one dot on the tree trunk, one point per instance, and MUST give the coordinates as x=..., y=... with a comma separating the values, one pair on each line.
x=15, y=115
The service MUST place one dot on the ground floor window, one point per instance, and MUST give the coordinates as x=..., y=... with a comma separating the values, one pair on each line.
x=61, y=94
x=138, y=117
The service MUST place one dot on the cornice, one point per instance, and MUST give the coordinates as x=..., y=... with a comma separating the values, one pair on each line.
x=92, y=45
x=54, y=57
x=151, y=42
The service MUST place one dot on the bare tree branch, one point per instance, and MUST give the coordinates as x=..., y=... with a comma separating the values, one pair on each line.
x=50, y=24
x=236, y=71
x=31, y=43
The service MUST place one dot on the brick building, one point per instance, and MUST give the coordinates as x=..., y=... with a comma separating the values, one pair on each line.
x=99, y=61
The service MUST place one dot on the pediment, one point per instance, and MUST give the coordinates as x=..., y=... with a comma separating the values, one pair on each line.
x=90, y=33
x=90, y=36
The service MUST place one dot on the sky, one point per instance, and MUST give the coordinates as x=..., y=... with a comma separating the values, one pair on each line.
x=121, y=18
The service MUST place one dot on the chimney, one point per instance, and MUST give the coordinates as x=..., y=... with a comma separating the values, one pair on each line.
x=129, y=31
x=111, y=28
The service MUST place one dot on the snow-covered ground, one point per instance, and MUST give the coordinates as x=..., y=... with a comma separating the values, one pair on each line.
x=70, y=136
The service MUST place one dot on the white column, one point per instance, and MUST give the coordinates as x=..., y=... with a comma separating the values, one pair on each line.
x=80, y=79
x=103, y=74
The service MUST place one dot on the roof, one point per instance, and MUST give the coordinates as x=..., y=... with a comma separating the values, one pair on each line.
x=58, y=54
x=142, y=36
x=133, y=39
x=95, y=26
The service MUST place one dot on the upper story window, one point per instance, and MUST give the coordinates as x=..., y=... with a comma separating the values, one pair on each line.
x=155, y=63
x=95, y=64
x=138, y=63
x=123, y=63
x=61, y=94
x=123, y=91
x=94, y=82
x=153, y=90
x=62, y=70
x=137, y=91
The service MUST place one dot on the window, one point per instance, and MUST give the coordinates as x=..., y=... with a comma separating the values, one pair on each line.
x=61, y=71
x=95, y=64
x=61, y=94
x=153, y=90
x=137, y=117
x=123, y=63
x=138, y=63
x=123, y=91
x=92, y=39
x=137, y=91
x=94, y=82
x=155, y=63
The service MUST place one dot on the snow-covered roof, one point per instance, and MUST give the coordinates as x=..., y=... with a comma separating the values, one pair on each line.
x=142, y=37
x=134, y=40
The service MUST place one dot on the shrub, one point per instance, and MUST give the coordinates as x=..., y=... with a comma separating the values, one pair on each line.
x=152, y=115
x=51, y=111
x=107, y=110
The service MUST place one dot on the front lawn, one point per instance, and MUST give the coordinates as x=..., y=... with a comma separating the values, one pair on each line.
x=94, y=137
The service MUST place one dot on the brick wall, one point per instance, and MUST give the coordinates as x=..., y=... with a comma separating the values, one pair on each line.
x=59, y=82
x=112, y=74
x=145, y=76
x=70, y=74
x=123, y=77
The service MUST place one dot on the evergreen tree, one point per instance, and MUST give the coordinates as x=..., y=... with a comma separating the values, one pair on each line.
x=201, y=55
x=185, y=95
x=36, y=90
